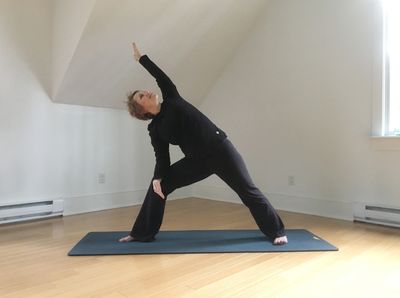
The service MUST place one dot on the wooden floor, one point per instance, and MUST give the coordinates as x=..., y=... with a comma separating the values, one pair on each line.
x=34, y=261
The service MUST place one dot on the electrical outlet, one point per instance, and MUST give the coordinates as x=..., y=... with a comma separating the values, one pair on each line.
x=101, y=178
x=291, y=180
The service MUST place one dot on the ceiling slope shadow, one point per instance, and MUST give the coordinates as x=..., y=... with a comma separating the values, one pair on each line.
x=192, y=41
x=69, y=20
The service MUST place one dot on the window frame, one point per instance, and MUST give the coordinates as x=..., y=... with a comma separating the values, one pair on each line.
x=386, y=76
x=381, y=139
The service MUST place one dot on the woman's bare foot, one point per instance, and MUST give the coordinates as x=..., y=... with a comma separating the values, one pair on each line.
x=128, y=238
x=280, y=240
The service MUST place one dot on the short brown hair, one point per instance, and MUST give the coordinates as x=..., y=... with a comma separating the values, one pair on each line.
x=135, y=109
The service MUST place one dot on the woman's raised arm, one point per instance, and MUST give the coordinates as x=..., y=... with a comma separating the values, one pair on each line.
x=168, y=88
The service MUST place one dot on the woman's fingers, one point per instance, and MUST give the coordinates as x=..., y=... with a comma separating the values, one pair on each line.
x=157, y=188
x=136, y=52
x=159, y=192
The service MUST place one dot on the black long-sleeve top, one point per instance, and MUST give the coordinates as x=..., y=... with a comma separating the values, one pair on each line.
x=178, y=123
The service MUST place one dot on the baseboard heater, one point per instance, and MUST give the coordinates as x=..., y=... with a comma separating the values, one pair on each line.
x=381, y=215
x=16, y=212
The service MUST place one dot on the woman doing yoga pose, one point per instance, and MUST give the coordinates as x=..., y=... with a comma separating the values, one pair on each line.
x=207, y=151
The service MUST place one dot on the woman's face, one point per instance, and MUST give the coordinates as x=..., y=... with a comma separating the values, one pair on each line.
x=147, y=99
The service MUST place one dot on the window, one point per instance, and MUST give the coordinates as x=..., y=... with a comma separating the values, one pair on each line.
x=391, y=67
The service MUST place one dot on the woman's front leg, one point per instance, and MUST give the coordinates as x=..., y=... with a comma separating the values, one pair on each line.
x=182, y=173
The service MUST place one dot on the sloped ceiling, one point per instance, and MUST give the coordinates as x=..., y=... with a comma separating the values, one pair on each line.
x=191, y=40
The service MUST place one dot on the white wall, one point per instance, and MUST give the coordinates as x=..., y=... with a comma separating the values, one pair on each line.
x=297, y=101
x=52, y=150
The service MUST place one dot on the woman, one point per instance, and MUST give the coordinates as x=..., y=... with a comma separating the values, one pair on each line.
x=207, y=151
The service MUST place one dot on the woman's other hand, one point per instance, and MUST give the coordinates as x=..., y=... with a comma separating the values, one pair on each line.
x=157, y=188
x=136, y=53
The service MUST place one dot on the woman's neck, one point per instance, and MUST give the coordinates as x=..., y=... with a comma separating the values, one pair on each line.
x=156, y=109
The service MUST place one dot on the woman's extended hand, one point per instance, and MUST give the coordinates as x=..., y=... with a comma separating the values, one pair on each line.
x=136, y=53
x=157, y=188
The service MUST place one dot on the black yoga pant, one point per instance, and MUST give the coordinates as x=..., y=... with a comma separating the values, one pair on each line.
x=226, y=162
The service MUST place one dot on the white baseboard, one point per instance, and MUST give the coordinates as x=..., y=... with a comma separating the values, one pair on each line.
x=105, y=201
x=181, y=193
x=306, y=205
x=285, y=202
x=102, y=201
x=314, y=206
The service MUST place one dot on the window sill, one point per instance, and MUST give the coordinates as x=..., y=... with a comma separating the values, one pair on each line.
x=385, y=143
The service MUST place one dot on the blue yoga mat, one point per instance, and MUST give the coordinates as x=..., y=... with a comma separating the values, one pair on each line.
x=198, y=241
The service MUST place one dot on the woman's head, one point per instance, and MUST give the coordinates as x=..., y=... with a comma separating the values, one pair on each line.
x=142, y=104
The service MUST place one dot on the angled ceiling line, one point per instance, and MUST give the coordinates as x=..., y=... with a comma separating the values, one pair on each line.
x=58, y=78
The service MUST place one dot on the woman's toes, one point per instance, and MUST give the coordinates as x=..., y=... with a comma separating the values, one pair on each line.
x=126, y=239
x=280, y=240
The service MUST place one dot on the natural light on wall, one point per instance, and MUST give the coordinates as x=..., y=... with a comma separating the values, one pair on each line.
x=392, y=66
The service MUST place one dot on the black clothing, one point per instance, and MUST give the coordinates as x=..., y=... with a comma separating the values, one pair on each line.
x=226, y=163
x=207, y=151
x=178, y=123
